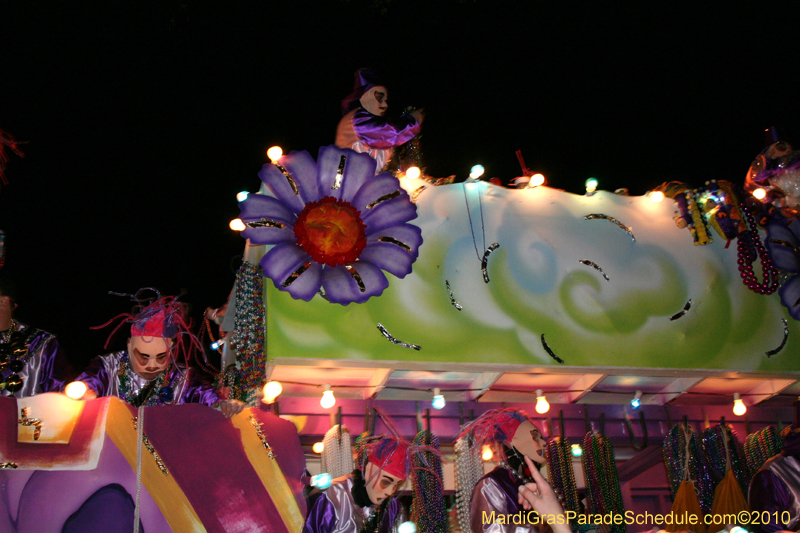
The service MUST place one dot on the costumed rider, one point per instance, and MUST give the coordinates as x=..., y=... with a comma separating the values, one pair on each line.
x=776, y=486
x=154, y=370
x=777, y=170
x=515, y=486
x=365, y=127
x=31, y=360
x=364, y=500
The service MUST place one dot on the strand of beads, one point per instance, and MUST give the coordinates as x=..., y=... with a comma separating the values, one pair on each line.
x=675, y=461
x=248, y=337
x=337, y=452
x=717, y=453
x=427, y=508
x=602, y=481
x=750, y=248
x=468, y=471
x=560, y=473
x=760, y=446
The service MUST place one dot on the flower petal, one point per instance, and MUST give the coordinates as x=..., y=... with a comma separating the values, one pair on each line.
x=394, y=249
x=303, y=170
x=374, y=189
x=790, y=295
x=282, y=261
x=389, y=213
x=258, y=207
x=358, y=168
x=342, y=288
x=307, y=285
x=783, y=257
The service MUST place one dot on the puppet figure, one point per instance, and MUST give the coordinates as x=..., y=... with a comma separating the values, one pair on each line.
x=154, y=370
x=510, y=489
x=777, y=170
x=365, y=127
x=364, y=500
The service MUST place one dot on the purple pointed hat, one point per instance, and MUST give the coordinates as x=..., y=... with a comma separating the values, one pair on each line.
x=366, y=79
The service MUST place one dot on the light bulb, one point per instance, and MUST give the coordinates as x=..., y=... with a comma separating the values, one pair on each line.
x=75, y=390
x=577, y=451
x=476, y=172
x=215, y=345
x=327, y=400
x=487, y=453
x=541, y=403
x=438, y=400
x=272, y=390
x=413, y=173
x=536, y=180
x=739, y=408
x=318, y=447
x=591, y=185
x=237, y=225
x=321, y=481
x=656, y=196
x=274, y=153
x=407, y=527
x=760, y=193
x=242, y=196
x=637, y=400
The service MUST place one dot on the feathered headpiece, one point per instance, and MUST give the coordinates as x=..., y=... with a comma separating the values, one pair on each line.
x=163, y=317
x=495, y=426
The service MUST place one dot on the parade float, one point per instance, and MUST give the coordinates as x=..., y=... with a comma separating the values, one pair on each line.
x=627, y=326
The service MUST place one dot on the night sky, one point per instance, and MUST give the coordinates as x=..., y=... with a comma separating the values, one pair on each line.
x=144, y=119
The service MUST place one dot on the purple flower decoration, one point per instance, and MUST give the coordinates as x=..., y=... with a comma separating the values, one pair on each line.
x=334, y=225
x=783, y=246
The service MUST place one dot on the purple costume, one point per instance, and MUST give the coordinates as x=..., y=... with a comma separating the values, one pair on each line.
x=44, y=363
x=496, y=494
x=776, y=488
x=104, y=377
x=336, y=511
x=362, y=131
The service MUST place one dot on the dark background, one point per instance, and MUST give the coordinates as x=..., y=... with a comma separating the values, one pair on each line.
x=144, y=119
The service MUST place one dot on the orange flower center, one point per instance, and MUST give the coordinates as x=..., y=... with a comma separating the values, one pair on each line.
x=331, y=231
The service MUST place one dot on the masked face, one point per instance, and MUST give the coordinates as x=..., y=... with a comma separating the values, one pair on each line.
x=380, y=485
x=148, y=356
x=376, y=100
x=528, y=441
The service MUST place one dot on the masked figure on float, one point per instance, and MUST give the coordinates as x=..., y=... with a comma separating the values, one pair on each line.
x=365, y=500
x=365, y=126
x=154, y=370
x=515, y=485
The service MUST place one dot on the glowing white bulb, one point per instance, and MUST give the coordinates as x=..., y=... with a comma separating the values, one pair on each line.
x=327, y=400
x=760, y=193
x=413, y=173
x=237, y=225
x=438, y=400
x=476, y=172
x=487, y=453
x=577, y=451
x=321, y=481
x=242, y=196
x=272, y=390
x=739, y=408
x=318, y=447
x=274, y=153
x=407, y=527
x=656, y=196
x=215, y=345
x=75, y=390
x=536, y=180
x=591, y=185
x=541, y=403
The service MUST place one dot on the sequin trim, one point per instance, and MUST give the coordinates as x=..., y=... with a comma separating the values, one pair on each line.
x=294, y=275
x=392, y=240
x=385, y=198
x=337, y=182
x=289, y=178
x=356, y=276
x=266, y=223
